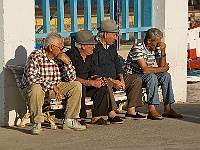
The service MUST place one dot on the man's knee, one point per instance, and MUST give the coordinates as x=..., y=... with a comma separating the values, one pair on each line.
x=135, y=78
x=35, y=89
x=167, y=75
x=78, y=85
x=152, y=78
x=138, y=79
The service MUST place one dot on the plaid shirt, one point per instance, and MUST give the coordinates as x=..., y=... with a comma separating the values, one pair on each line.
x=41, y=70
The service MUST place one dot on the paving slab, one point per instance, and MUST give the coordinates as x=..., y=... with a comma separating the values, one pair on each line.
x=177, y=134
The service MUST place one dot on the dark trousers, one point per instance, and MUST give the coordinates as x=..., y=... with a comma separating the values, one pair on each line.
x=99, y=98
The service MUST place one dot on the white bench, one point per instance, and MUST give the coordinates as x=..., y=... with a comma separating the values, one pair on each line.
x=52, y=104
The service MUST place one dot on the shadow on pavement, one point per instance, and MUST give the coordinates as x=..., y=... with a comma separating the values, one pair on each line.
x=190, y=111
x=23, y=130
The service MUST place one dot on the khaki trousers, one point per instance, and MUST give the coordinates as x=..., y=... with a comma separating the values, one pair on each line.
x=34, y=96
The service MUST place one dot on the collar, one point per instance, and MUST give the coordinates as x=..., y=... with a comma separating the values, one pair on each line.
x=107, y=46
x=76, y=51
x=146, y=50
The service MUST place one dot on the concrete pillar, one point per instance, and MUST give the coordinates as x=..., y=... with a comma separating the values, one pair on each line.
x=17, y=36
x=171, y=17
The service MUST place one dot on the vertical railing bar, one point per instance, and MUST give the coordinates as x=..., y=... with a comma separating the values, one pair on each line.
x=148, y=13
x=137, y=17
x=60, y=15
x=46, y=15
x=125, y=18
x=112, y=9
x=74, y=18
x=100, y=11
x=87, y=14
x=143, y=15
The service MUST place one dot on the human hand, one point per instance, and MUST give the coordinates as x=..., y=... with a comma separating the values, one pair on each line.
x=122, y=81
x=57, y=92
x=162, y=47
x=119, y=85
x=97, y=83
x=63, y=57
x=166, y=67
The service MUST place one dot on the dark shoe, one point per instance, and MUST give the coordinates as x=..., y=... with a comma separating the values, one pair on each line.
x=115, y=120
x=82, y=122
x=136, y=117
x=172, y=114
x=154, y=115
x=101, y=121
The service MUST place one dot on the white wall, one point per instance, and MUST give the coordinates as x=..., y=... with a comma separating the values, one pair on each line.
x=171, y=17
x=17, y=35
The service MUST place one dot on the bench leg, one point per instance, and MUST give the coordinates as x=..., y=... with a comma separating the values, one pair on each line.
x=25, y=120
x=122, y=106
x=52, y=122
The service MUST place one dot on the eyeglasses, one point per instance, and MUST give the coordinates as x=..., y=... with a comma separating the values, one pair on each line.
x=59, y=47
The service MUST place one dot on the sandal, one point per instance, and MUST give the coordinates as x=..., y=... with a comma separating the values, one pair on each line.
x=154, y=115
x=101, y=121
x=172, y=114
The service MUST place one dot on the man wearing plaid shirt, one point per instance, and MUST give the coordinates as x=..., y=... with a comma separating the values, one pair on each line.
x=41, y=80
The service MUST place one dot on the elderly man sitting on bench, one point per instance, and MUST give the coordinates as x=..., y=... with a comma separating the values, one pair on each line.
x=92, y=84
x=41, y=80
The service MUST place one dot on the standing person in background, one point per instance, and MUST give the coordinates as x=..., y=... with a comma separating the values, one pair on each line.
x=108, y=65
x=141, y=60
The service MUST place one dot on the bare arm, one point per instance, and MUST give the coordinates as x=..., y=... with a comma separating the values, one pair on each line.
x=146, y=69
x=162, y=65
x=88, y=82
x=162, y=61
x=118, y=84
x=64, y=58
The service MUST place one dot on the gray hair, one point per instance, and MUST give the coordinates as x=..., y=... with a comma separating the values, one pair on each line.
x=100, y=34
x=78, y=45
x=153, y=33
x=50, y=38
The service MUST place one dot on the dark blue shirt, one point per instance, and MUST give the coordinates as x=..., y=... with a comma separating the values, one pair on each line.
x=107, y=62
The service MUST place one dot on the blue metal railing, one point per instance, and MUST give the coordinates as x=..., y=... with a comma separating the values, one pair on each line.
x=143, y=16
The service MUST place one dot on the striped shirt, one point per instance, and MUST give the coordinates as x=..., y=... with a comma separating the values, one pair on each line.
x=41, y=70
x=137, y=52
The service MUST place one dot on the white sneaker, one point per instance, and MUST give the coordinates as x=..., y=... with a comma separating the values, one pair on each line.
x=73, y=124
x=36, y=129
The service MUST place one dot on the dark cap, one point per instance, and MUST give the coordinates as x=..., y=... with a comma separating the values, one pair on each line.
x=85, y=37
x=108, y=26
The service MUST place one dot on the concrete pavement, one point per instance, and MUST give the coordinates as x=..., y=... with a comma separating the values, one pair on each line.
x=176, y=134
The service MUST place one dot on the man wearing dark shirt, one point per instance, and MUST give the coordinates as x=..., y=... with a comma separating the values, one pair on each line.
x=93, y=85
x=107, y=64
